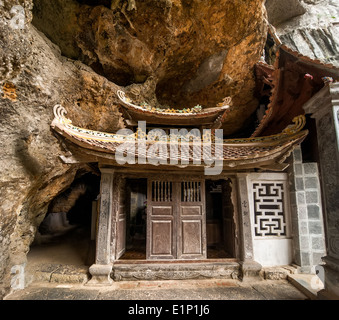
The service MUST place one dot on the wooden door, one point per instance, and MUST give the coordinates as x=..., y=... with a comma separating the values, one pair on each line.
x=191, y=238
x=161, y=213
x=228, y=222
x=120, y=209
x=176, y=220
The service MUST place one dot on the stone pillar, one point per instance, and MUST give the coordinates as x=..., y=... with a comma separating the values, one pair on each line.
x=306, y=213
x=249, y=267
x=102, y=268
x=324, y=108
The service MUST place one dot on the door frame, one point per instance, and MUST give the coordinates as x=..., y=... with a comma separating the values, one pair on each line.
x=177, y=221
x=194, y=215
x=188, y=177
x=161, y=215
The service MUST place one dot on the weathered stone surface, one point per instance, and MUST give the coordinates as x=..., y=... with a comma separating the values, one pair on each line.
x=218, y=290
x=307, y=222
x=277, y=273
x=192, y=52
x=185, y=271
x=100, y=275
x=31, y=174
x=327, y=120
x=59, y=274
x=314, y=33
x=161, y=51
x=279, y=11
x=169, y=51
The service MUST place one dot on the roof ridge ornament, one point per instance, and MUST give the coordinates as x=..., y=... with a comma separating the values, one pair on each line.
x=60, y=114
x=299, y=123
x=225, y=104
x=59, y=111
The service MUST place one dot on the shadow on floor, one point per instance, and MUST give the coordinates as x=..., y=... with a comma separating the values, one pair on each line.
x=63, y=257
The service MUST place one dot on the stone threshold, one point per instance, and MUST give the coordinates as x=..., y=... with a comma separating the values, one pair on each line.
x=134, y=270
x=176, y=261
x=58, y=273
x=138, y=270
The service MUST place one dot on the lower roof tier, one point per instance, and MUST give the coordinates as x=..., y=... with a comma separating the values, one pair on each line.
x=178, y=149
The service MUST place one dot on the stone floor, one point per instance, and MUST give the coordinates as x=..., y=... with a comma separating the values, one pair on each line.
x=164, y=290
x=58, y=270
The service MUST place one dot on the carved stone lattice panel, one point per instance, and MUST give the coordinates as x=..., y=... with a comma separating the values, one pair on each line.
x=269, y=213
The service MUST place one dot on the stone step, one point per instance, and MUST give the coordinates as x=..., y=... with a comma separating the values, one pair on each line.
x=278, y=273
x=58, y=273
x=309, y=284
x=160, y=270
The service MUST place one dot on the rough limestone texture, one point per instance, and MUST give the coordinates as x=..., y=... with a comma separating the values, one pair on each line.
x=314, y=33
x=187, y=52
x=35, y=77
x=74, y=53
x=280, y=11
x=78, y=54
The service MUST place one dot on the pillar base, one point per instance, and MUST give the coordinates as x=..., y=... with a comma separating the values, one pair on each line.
x=250, y=270
x=101, y=275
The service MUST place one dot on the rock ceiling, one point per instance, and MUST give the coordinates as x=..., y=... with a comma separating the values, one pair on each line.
x=171, y=53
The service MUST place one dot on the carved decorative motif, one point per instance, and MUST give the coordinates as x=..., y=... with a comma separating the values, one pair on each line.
x=269, y=215
x=179, y=272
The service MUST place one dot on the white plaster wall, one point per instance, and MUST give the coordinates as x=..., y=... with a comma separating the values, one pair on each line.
x=273, y=252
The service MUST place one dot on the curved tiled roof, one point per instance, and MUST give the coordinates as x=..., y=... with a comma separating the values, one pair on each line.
x=234, y=151
x=286, y=103
x=189, y=116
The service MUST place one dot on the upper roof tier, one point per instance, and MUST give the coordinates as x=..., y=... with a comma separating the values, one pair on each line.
x=189, y=117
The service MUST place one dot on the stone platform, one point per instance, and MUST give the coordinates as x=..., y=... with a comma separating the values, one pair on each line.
x=164, y=290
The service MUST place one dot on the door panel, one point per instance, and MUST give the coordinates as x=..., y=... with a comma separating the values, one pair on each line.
x=162, y=210
x=120, y=209
x=192, y=221
x=121, y=236
x=228, y=212
x=191, y=237
x=191, y=210
x=160, y=221
x=176, y=226
x=161, y=238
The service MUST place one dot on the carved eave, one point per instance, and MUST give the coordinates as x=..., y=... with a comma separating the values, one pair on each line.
x=210, y=117
x=262, y=152
x=264, y=78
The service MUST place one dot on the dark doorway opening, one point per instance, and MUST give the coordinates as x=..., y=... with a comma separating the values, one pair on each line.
x=220, y=231
x=136, y=218
x=64, y=236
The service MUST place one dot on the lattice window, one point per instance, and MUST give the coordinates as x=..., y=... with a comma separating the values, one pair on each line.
x=269, y=215
x=162, y=191
x=191, y=191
